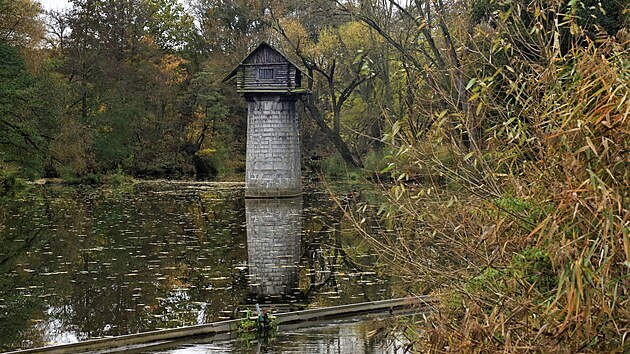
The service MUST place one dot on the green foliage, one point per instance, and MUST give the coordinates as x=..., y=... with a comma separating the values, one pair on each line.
x=213, y=130
x=335, y=167
x=27, y=115
x=488, y=279
x=118, y=179
x=10, y=183
x=87, y=179
x=247, y=324
x=249, y=328
x=527, y=213
x=533, y=265
x=376, y=160
x=169, y=23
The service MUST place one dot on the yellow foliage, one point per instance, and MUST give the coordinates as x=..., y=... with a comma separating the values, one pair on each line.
x=149, y=41
x=20, y=23
x=357, y=35
x=171, y=68
x=207, y=152
x=329, y=44
x=296, y=33
x=341, y=44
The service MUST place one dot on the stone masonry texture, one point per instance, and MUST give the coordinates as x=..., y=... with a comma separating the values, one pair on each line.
x=273, y=147
x=274, y=227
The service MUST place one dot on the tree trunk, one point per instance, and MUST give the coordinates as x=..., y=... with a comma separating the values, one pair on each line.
x=335, y=138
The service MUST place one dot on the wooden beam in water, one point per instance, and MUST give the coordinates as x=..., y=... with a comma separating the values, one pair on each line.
x=164, y=335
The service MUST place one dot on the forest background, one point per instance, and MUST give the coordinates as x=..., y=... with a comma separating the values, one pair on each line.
x=497, y=130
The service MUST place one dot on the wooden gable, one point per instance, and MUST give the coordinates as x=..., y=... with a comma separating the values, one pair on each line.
x=266, y=70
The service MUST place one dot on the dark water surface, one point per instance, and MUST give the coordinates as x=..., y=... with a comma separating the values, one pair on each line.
x=340, y=337
x=81, y=263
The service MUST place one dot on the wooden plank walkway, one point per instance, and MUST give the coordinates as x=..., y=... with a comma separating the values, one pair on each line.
x=164, y=335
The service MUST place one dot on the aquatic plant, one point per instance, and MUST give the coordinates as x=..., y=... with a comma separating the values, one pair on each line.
x=250, y=329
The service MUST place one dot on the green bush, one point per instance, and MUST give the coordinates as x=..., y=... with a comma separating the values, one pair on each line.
x=334, y=167
x=87, y=179
x=376, y=160
x=533, y=266
x=528, y=213
x=117, y=179
x=10, y=183
x=249, y=328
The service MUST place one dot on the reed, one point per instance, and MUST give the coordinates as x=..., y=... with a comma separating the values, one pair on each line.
x=524, y=236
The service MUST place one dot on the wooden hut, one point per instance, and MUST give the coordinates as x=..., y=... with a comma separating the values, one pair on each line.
x=266, y=70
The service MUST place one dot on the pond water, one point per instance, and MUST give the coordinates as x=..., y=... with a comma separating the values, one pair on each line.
x=83, y=263
x=360, y=335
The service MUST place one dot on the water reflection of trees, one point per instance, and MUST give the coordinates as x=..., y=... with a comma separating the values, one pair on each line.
x=116, y=264
x=91, y=263
x=337, y=265
x=21, y=302
x=326, y=271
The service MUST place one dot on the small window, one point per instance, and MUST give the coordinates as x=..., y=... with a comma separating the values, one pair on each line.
x=265, y=74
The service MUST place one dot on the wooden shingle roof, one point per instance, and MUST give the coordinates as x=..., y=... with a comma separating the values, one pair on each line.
x=262, y=46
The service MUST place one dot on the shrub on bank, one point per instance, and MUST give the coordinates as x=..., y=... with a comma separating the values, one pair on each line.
x=10, y=183
x=528, y=248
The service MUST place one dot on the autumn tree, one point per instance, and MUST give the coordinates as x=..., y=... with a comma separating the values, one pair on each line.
x=28, y=114
x=430, y=40
x=19, y=23
x=230, y=27
x=123, y=61
x=338, y=61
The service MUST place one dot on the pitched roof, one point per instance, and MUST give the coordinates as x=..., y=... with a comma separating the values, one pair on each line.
x=262, y=44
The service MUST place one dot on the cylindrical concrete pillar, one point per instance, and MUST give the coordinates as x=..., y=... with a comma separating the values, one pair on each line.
x=273, y=147
x=274, y=227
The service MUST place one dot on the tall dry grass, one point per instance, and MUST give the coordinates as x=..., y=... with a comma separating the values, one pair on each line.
x=525, y=238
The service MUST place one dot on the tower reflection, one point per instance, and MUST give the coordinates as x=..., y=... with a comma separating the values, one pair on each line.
x=273, y=247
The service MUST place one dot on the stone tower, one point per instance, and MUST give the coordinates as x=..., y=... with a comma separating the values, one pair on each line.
x=270, y=83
